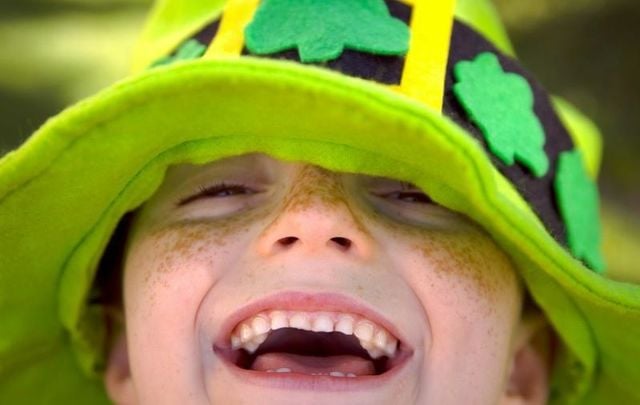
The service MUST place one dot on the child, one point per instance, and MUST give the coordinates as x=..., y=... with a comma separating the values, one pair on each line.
x=313, y=201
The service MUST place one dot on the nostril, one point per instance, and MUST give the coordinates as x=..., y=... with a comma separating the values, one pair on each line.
x=343, y=242
x=288, y=241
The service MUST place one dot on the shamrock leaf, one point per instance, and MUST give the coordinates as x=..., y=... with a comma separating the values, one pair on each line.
x=577, y=198
x=191, y=49
x=322, y=29
x=501, y=104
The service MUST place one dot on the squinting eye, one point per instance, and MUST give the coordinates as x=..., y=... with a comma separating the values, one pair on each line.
x=410, y=197
x=221, y=190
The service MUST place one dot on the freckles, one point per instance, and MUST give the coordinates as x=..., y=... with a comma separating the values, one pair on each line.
x=171, y=249
x=465, y=259
x=192, y=246
x=313, y=185
x=475, y=264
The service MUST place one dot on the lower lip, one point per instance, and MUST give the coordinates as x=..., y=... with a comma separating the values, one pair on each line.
x=305, y=382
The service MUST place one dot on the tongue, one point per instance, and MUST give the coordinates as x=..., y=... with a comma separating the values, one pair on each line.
x=313, y=365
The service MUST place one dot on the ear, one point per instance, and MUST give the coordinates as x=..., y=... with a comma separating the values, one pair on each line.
x=117, y=377
x=528, y=380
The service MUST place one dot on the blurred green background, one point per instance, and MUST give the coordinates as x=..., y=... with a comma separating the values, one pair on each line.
x=55, y=52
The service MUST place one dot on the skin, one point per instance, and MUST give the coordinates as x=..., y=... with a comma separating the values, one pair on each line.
x=192, y=260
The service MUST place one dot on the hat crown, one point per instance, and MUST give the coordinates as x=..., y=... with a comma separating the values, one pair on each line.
x=416, y=32
x=171, y=21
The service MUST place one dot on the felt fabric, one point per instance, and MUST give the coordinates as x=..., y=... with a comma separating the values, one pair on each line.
x=399, y=10
x=501, y=105
x=578, y=202
x=426, y=62
x=169, y=25
x=539, y=193
x=230, y=38
x=191, y=49
x=321, y=29
x=206, y=34
x=63, y=193
x=381, y=69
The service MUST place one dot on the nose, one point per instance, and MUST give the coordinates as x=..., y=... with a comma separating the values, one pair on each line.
x=316, y=217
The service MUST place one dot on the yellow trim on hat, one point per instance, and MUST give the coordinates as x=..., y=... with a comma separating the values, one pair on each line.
x=425, y=66
x=424, y=72
x=229, y=40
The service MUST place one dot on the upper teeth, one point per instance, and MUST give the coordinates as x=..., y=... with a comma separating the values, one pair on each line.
x=252, y=332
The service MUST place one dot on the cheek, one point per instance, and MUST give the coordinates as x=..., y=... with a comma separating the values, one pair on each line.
x=470, y=268
x=471, y=296
x=169, y=272
x=163, y=264
x=461, y=269
x=467, y=282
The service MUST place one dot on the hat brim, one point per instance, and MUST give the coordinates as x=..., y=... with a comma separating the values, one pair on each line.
x=63, y=193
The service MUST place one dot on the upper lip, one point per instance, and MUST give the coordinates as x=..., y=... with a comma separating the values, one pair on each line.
x=309, y=302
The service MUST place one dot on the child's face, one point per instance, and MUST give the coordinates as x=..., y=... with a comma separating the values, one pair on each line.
x=297, y=245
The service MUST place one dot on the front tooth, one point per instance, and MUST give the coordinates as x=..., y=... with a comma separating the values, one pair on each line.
x=279, y=320
x=300, y=321
x=345, y=325
x=283, y=370
x=260, y=325
x=322, y=323
x=336, y=374
x=364, y=331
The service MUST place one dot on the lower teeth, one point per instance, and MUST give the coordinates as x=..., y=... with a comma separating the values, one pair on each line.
x=331, y=374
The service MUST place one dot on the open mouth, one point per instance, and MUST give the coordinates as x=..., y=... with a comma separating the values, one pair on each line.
x=314, y=344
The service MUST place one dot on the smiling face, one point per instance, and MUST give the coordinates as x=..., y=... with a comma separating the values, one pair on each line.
x=251, y=280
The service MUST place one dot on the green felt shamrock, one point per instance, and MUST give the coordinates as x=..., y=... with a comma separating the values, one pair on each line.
x=321, y=29
x=191, y=49
x=501, y=105
x=577, y=198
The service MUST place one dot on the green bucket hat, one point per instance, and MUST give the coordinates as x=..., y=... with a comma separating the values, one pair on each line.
x=424, y=91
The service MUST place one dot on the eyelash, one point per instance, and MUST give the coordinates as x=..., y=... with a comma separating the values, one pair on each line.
x=215, y=190
x=409, y=194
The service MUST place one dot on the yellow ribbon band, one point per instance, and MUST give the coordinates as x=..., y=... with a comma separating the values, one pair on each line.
x=425, y=65
x=229, y=40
